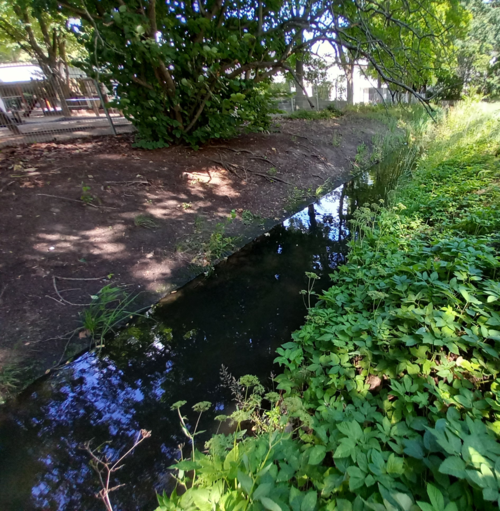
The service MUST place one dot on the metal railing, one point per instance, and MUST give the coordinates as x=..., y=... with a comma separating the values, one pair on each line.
x=41, y=111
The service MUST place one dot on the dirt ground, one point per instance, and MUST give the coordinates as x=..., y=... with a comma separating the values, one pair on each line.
x=78, y=216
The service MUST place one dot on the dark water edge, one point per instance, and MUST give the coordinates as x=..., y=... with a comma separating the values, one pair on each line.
x=236, y=318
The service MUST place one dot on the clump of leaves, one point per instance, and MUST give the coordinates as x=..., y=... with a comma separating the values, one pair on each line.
x=9, y=380
x=247, y=217
x=86, y=196
x=110, y=307
x=336, y=140
x=218, y=244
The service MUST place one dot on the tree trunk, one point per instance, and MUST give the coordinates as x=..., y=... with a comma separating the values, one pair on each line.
x=350, y=83
x=59, y=91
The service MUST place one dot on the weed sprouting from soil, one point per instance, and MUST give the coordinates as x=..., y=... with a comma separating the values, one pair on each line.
x=110, y=307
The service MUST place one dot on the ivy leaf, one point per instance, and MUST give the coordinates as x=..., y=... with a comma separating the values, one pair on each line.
x=317, y=454
x=453, y=466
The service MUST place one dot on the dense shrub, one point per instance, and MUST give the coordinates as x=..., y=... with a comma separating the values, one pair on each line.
x=390, y=395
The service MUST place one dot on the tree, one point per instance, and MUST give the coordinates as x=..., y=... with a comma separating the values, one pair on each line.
x=197, y=70
x=479, y=50
x=26, y=26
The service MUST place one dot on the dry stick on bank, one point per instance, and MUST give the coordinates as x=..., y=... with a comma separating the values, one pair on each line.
x=105, y=468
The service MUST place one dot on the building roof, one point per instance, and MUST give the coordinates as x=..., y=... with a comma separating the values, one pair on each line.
x=25, y=72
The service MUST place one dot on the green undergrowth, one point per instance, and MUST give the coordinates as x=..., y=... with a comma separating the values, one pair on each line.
x=389, y=398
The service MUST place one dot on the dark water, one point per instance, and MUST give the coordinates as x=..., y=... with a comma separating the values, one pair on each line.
x=237, y=318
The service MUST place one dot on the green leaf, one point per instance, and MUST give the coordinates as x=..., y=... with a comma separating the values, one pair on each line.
x=262, y=490
x=343, y=505
x=285, y=474
x=435, y=496
x=490, y=494
x=345, y=449
x=453, y=466
x=317, y=454
x=186, y=465
x=425, y=506
x=477, y=478
x=488, y=477
x=395, y=465
x=309, y=502
x=356, y=478
x=414, y=449
x=270, y=504
x=246, y=482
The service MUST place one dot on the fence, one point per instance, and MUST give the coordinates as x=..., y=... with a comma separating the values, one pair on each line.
x=294, y=103
x=41, y=110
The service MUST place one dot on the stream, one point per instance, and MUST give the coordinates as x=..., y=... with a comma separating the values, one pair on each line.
x=236, y=318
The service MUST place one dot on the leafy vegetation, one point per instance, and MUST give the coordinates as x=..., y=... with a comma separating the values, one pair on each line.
x=197, y=71
x=110, y=307
x=390, y=395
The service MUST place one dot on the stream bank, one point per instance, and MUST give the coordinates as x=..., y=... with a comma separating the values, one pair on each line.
x=82, y=215
x=235, y=319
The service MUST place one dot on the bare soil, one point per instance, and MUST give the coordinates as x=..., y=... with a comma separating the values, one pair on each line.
x=73, y=211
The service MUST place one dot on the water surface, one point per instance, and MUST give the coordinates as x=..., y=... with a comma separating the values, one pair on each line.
x=236, y=318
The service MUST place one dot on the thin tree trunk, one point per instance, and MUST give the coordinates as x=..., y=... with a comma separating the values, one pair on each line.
x=350, y=83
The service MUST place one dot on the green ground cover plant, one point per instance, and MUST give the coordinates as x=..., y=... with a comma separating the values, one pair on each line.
x=390, y=395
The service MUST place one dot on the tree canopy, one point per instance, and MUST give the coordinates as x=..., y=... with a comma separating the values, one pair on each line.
x=197, y=70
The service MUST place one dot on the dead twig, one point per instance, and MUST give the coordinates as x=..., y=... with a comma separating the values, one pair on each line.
x=64, y=299
x=68, y=199
x=271, y=178
x=75, y=278
x=254, y=155
x=129, y=182
x=105, y=468
x=3, y=290
x=6, y=186
x=75, y=200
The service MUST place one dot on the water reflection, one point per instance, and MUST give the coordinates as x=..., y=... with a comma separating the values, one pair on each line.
x=237, y=318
